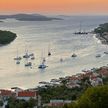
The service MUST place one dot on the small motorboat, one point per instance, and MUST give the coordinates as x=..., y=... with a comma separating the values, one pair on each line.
x=49, y=53
x=49, y=50
x=17, y=62
x=17, y=58
x=42, y=66
x=106, y=52
x=98, y=55
x=74, y=55
x=26, y=55
x=28, y=64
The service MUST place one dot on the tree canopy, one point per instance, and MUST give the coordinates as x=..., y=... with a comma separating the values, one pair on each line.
x=95, y=97
x=6, y=37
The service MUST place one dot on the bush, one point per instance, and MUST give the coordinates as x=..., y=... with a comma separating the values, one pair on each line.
x=96, y=97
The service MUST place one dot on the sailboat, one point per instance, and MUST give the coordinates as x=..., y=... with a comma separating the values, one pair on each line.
x=42, y=65
x=26, y=54
x=28, y=64
x=49, y=50
x=17, y=57
x=80, y=32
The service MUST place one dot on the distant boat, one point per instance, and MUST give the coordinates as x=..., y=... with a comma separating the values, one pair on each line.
x=61, y=60
x=42, y=65
x=49, y=53
x=26, y=56
x=17, y=62
x=106, y=52
x=32, y=58
x=74, y=55
x=80, y=32
x=49, y=50
x=28, y=64
x=17, y=57
x=42, y=82
x=31, y=54
x=98, y=55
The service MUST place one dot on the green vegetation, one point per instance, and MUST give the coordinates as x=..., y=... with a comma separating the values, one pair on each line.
x=62, y=92
x=95, y=97
x=102, y=28
x=6, y=37
x=1, y=103
x=13, y=103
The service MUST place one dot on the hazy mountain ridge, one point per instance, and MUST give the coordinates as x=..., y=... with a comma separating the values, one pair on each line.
x=29, y=17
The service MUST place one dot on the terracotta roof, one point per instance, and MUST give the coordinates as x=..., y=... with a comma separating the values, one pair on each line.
x=27, y=94
x=5, y=93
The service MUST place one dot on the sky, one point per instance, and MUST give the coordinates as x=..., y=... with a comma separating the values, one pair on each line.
x=54, y=6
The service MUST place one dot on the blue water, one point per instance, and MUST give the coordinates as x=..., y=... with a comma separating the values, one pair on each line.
x=36, y=37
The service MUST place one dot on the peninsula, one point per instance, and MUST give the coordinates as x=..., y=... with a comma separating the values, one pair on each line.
x=102, y=33
x=29, y=17
x=6, y=37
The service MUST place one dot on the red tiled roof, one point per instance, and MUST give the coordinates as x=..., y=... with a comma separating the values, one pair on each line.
x=5, y=93
x=27, y=94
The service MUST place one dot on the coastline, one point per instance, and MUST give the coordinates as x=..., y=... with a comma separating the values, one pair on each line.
x=103, y=39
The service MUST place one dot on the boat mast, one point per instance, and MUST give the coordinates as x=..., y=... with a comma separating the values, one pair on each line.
x=80, y=27
x=49, y=50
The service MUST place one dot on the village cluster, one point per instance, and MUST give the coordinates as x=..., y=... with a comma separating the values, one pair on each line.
x=93, y=77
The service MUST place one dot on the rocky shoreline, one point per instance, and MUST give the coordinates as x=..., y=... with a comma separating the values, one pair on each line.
x=103, y=38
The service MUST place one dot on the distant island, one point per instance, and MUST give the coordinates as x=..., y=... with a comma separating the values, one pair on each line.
x=29, y=17
x=6, y=37
x=102, y=33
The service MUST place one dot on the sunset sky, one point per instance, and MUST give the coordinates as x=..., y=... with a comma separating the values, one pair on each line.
x=55, y=6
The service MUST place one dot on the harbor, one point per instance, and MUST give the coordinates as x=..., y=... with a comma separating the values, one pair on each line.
x=36, y=37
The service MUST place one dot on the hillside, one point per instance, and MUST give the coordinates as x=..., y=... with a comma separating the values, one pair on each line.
x=6, y=37
x=29, y=17
x=102, y=33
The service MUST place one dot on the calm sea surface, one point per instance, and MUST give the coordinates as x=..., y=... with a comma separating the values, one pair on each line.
x=36, y=37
